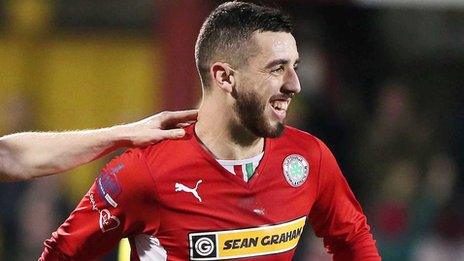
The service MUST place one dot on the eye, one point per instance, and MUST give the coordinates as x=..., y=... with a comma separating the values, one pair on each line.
x=295, y=67
x=278, y=70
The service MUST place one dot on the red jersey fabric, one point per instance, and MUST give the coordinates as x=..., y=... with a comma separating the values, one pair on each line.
x=174, y=201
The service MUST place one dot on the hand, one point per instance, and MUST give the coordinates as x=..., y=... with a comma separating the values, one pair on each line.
x=164, y=125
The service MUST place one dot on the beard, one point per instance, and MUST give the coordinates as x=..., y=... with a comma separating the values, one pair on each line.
x=250, y=110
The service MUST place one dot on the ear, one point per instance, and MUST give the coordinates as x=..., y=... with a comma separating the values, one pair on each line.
x=223, y=76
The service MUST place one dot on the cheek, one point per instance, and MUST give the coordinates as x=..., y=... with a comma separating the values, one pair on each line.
x=271, y=86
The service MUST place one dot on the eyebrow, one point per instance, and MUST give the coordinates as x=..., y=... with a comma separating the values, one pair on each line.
x=279, y=61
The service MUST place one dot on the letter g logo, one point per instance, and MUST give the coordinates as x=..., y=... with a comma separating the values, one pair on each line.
x=202, y=246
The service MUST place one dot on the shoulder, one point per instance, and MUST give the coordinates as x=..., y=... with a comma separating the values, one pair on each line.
x=168, y=150
x=297, y=136
x=135, y=165
x=300, y=138
x=162, y=159
x=294, y=132
x=137, y=155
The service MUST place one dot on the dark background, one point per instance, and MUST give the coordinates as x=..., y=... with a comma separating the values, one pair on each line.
x=382, y=86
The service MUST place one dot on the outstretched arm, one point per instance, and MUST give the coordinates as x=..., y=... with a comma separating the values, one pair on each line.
x=34, y=154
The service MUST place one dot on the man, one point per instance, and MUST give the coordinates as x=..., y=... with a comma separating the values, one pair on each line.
x=240, y=184
x=35, y=154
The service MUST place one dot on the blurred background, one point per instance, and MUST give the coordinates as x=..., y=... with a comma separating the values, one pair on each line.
x=382, y=82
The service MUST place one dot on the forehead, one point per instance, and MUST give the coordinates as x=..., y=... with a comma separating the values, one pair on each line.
x=275, y=45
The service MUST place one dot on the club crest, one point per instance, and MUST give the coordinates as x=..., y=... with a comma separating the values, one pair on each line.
x=296, y=170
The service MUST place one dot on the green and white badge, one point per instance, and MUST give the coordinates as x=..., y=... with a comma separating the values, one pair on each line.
x=296, y=170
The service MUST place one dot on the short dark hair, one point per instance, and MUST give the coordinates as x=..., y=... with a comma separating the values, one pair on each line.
x=225, y=32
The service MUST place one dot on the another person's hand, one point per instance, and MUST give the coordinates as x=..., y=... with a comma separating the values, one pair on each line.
x=35, y=154
x=164, y=125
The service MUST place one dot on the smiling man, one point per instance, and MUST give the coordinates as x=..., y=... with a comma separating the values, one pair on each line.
x=241, y=184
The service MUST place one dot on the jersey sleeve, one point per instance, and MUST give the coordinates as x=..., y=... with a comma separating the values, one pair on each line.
x=337, y=217
x=116, y=206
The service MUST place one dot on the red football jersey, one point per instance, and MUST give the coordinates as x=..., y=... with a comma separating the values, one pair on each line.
x=174, y=201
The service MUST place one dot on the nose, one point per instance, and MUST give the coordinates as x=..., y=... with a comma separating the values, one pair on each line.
x=291, y=83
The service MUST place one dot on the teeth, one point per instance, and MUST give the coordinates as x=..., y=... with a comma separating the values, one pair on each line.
x=280, y=105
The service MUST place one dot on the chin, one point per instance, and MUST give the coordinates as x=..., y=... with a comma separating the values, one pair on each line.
x=256, y=119
x=272, y=130
x=276, y=130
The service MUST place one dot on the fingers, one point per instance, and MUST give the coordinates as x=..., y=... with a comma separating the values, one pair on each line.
x=172, y=134
x=184, y=124
x=155, y=136
x=170, y=119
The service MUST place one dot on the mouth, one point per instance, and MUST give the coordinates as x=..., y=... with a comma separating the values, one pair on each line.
x=279, y=107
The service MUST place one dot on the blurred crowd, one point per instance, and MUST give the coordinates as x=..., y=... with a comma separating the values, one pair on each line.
x=382, y=90
x=394, y=121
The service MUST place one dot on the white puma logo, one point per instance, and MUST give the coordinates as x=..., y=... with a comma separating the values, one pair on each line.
x=182, y=187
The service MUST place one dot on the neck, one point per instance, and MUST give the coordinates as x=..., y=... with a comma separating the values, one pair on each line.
x=222, y=134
